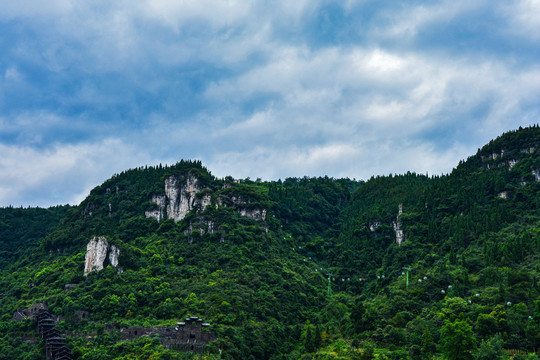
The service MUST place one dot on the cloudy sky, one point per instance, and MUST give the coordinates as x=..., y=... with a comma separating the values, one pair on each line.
x=254, y=89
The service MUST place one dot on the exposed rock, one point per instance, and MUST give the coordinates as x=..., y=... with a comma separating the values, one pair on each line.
x=399, y=233
x=400, y=236
x=96, y=253
x=158, y=213
x=205, y=201
x=494, y=156
x=374, y=226
x=182, y=197
x=536, y=174
x=503, y=195
x=255, y=214
x=179, y=199
x=113, y=255
x=530, y=150
x=203, y=226
x=512, y=163
x=211, y=227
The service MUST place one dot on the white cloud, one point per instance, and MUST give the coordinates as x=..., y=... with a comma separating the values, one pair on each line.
x=524, y=18
x=44, y=177
x=12, y=74
x=376, y=84
x=243, y=87
x=119, y=35
x=358, y=160
x=411, y=20
x=371, y=101
x=176, y=14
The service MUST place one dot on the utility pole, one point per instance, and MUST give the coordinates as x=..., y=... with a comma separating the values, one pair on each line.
x=407, y=269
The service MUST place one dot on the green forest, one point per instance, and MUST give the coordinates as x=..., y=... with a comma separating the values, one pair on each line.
x=404, y=266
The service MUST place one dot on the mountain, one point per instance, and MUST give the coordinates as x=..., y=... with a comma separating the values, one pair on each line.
x=395, y=267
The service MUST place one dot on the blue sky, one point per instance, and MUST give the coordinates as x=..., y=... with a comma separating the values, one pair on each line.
x=256, y=89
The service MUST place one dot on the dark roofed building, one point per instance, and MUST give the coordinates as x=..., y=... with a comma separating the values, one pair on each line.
x=191, y=335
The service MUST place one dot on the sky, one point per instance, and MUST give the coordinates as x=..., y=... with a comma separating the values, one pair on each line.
x=260, y=89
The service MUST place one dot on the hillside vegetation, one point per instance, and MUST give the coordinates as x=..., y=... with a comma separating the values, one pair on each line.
x=304, y=268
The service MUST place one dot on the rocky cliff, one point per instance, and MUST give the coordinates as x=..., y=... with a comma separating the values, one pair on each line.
x=184, y=194
x=400, y=236
x=159, y=213
x=255, y=214
x=179, y=199
x=96, y=253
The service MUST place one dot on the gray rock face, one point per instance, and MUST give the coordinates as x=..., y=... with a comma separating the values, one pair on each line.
x=96, y=253
x=205, y=201
x=204, y=226
x=400, y=236
x=179, y=199
x=374, y=226
x=255, y=214
x=185, y=195
x=113, y=255
x=158, y=214
x=536, y=174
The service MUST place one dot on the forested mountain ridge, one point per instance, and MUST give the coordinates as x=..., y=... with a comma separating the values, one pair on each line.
x=300, y=268
x=25, y=227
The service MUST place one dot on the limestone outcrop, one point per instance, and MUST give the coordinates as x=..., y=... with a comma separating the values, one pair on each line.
x=96, y=253
x=400, y=236
x=373, y=226
x=159, y=212
x=185, y=194
x=179, y=199
x=114, y=252
x=255, y=214
x=203, y=226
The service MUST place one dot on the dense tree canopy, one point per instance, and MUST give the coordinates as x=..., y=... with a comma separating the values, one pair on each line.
x=319, y=277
